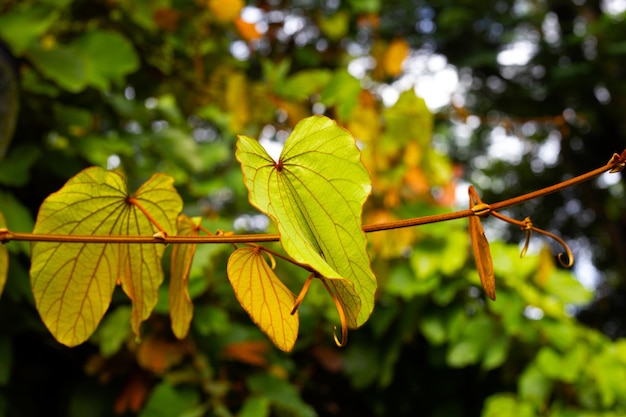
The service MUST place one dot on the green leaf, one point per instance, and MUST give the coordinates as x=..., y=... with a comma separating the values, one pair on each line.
x=499, y=405
x=108, y=57
x=24, y=23
x=4, y=258
x=168, y=401
x=14, y=170
x=534, y=387
x=264, y=297
x=343, y=92
x=73, y=282
x=19, y=220
x=62, y=65
x=281, y=394
x=315, y=195
x=255, y=407
x=113, y=331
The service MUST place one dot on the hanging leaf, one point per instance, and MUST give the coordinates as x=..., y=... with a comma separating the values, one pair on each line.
x=315, y=195
x=4, y=258
x=264, y=297
x=181, y=307
x=73, y=282
x=480, y=246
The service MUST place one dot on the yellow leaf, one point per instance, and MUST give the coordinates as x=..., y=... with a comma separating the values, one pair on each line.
x=73, y=282
x=264, y=297
x=480, y=246
x=394, y=56
x=181, y=307
x=225, y=11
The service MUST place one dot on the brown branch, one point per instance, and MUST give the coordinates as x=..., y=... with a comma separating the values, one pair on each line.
x=615, y=164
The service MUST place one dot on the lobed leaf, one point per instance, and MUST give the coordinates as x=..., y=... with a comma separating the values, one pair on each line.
x=315, y=195
x=264, y=297
x=73, y=282
x=181, y=307
x=4, y=258
x=480, y=246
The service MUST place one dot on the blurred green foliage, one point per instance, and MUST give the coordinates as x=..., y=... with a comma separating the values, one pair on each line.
x=166, y=86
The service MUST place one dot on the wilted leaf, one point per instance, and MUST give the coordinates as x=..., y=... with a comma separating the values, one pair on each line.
x=315, y=194
x=264, y=297
x=480, y=246
x=181, y=307
x=251, y=352
x=73, y=282
x=158, y=355
x=4, y=258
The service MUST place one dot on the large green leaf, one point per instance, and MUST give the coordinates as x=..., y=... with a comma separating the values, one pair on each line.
x=315, y=195
x=73, y=282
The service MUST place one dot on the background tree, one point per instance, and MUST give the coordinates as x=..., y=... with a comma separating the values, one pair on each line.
x=166, y=86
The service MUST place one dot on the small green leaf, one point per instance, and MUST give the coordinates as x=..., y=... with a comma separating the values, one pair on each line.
x=315, y=195
x=73, y=282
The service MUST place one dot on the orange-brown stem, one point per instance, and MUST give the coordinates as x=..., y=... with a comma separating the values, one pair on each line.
x=134, y=202
x=616, y=164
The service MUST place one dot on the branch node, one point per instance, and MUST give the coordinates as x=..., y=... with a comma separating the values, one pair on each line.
x=5, y=235
x=619, y=161
x=481, y=210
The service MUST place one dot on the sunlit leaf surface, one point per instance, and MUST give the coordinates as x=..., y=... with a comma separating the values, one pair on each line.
x=480, y=246
x=266, y=299
x=315, y=194
x=73, y=282
x=4, y=258
x=181, y=307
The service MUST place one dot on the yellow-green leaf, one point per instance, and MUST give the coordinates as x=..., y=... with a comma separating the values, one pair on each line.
x=480, y=246
x=181, y=307
x=73, y=282
x=4, y=258
x=315, y=194
x=264, y=297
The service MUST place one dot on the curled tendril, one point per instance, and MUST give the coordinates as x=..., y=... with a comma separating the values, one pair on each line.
x=303, y=291
x=527, y=226
x=342, y=318
x=560, y=256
